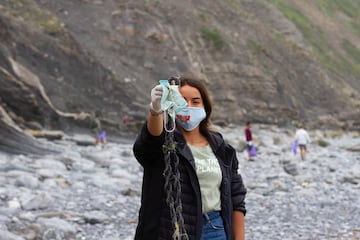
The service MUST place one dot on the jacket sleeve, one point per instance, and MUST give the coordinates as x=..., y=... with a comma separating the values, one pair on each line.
x=148, y=148
x=238, y=190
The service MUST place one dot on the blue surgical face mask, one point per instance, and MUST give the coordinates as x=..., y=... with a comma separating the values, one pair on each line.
x=190, y=117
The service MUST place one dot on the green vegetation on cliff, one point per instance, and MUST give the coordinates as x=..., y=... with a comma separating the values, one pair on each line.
x=41, y=19
x=334, y=51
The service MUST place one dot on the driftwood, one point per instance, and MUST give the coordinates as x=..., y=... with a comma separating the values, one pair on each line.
x=49, y=135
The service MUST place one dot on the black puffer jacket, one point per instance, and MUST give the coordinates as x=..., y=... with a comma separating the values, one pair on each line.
x=154, y=216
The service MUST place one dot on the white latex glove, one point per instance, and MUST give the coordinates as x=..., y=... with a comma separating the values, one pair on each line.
x=156, y=94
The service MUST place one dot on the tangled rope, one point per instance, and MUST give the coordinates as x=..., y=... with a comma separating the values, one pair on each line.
x=171, y=172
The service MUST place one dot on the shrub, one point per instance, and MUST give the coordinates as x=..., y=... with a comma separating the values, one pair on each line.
x=214, y=36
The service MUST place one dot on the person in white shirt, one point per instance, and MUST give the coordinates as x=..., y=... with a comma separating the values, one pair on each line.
x=302, y=138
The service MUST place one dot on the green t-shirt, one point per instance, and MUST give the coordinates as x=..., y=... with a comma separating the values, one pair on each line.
x=96, y=125
x=209, y=175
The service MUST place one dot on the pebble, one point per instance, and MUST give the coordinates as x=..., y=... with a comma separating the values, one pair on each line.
x=93, y=192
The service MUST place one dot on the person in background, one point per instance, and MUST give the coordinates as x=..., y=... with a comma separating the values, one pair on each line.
x=100, y=135
x=212, y=190
x=249, y=140
x=302, y=138
x=125, y=119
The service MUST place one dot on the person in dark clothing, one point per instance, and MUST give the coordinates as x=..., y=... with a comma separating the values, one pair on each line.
x=212, y=190
x=249, y=139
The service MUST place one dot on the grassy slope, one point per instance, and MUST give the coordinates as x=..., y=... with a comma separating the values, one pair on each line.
x=321, y=21
x=332, y=30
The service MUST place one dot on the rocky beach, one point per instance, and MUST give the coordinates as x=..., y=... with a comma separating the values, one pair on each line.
x=273, y=63
x=93, y=192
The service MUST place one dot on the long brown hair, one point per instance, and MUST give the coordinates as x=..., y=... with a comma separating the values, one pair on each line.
x=196, y=82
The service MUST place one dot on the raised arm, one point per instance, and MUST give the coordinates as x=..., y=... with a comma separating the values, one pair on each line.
x=155, y=116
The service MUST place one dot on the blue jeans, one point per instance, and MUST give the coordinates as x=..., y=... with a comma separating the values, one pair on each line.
x=213, y=227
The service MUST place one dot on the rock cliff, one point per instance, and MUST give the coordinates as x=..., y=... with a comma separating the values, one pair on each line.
x=266, y=61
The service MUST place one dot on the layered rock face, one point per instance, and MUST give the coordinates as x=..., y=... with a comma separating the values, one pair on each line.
x=46, y=83
x=60, y=61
